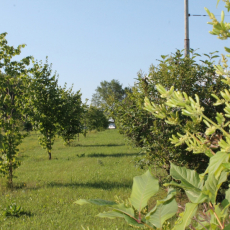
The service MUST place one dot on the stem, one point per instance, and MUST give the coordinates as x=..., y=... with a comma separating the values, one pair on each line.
x=148, y=226
x=221, y=226
x=199, y=222
x=220, y=128
x=200, y=142
x=137, y=220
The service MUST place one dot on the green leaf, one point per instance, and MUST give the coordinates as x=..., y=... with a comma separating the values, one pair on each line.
x=144, y=187
x=212, y=185
x=227, y=195
x=190, y=211
x=96, y=202
x=171, y=194
x=216, y=164
x=227, y=227
x=227, y=49
x=226, y=165
x=222, y=16
x=189, y=178
x=195, y=196
x=110, y=214
x=163, y=212
x=133, y=222
x=116, y=214
x=190, y=182
x=122, y=211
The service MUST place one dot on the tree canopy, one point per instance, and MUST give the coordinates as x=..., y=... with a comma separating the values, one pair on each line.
x=151, y=133
x=107, y=94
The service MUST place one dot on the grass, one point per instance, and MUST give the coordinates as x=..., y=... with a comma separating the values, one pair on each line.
x=98, y=166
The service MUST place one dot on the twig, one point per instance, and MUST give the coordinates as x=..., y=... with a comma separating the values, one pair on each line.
x=221, y=225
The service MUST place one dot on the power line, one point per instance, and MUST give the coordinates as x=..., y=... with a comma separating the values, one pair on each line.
x=204, y=15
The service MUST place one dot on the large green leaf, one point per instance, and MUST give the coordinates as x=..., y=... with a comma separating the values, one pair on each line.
x=111, y=214
x=212, y=185
x=115, y=214
x=163, y=212
x=189, y=178
x=190, y=182
x=122, y=211
x=216, y=164
x=171, y=194
x=144, y=187
x=195, y=196
x=96, y=202
x=133, y=222
x=226, y=202
x=187, y=215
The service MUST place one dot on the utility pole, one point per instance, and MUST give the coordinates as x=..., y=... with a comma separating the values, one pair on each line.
x=186, y=40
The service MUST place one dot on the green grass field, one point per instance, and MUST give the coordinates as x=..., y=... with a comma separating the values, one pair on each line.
x=98, y=166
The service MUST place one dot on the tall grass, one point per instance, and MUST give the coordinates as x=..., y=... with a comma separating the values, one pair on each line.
x=98, y=166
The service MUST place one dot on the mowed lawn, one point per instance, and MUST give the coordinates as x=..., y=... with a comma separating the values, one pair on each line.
x=98, y=166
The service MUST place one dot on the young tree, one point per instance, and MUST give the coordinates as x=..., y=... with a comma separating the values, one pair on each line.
x=70, y=115
x=13, y=82
x=45, y=104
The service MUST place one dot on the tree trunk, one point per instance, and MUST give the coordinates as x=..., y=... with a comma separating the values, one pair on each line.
x=10, y=178
x=49, y=152
x=50, y=146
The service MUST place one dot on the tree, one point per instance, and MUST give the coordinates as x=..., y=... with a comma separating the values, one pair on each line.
x=45, y=104
x=71, y=115
x=95, y=119
x=152, y=134
x=107, y=94
x=13, y=83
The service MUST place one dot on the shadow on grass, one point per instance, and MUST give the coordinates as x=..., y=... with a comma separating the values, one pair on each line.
x=21, y=157
x=18, y=215
x=113, y=155
x=97, y=184
x=108, y=145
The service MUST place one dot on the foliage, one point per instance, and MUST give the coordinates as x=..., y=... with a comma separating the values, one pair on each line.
x=71, y=114
x=107, y=94
x=222, y=28
x=44, y=104
x=13, y=210
x=96, y=119
x=27, y=126
x=135, y=210
x=201, y=189
x=151, y=133
x=13, y=82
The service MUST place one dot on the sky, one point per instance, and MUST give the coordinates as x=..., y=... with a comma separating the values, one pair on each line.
x=89, y=41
